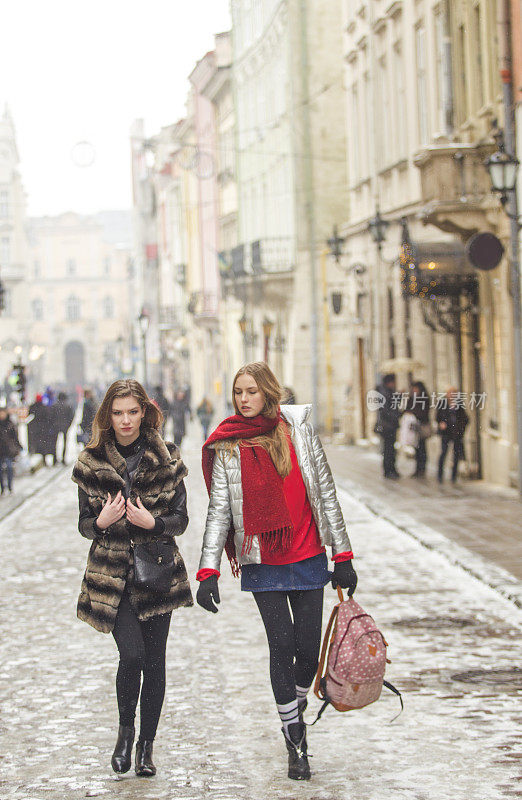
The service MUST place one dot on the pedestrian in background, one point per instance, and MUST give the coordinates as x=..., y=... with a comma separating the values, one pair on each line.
x=452, y=420
x=179, y=410
x=88, y=414
x=131, y=493
x=418, y=404
x=63, y=415
x=163, y=404
x=205, y=410
x=289, y=396
x=273, y=507
x=10, y=447
x=40, y=431
x=388, y=417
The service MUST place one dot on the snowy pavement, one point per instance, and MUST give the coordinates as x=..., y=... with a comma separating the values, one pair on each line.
x=455, y=646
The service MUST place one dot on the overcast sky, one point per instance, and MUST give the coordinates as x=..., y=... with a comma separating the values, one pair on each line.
x=72, y=71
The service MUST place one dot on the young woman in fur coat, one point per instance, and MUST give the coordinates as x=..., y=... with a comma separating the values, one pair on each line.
x=131, y=491
x=273, y=507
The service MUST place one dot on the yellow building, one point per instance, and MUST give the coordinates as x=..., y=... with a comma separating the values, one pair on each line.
x=79, y=295
x=423, y=89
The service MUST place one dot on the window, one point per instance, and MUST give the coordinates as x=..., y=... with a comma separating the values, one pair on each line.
x=440, y=68
x=37, y=268
x=422, y=86
x=479, y=74
x=73, y=308
x=383, y=104
x=107, y=265
x=5, y=251
x=401, y=144
x=37, y=306
x=461, y=76
x=356, y=130
x=8, y=303
x=108, y=307
x=70, y=267
x=4, y=204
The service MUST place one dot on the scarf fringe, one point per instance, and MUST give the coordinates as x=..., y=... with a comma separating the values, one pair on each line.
x=270, y=541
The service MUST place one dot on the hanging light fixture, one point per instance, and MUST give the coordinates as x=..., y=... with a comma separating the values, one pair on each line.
x=502, y=168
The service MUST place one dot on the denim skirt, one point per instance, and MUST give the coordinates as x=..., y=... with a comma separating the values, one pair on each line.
x=311, y=573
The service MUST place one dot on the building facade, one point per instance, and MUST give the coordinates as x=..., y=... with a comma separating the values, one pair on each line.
x=79, y=294
x=423, y=91
x=290, y=156
x=13, y=252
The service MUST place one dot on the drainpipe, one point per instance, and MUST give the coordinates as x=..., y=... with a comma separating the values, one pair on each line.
x=504, y=41
x=307, y=167
x=448, y=70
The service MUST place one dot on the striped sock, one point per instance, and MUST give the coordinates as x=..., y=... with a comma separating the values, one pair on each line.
x=288, y=714
x=301, y=692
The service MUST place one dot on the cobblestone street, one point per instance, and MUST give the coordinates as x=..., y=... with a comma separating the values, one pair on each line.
x=219, y=736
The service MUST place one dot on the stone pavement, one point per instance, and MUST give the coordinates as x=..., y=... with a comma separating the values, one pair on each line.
x=453, y=645
x=480, y=517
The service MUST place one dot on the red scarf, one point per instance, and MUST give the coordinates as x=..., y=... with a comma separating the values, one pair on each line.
x=265, y=512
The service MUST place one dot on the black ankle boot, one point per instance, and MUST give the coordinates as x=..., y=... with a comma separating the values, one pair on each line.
x=122, y=757
x=144, y=765
x=298, y=767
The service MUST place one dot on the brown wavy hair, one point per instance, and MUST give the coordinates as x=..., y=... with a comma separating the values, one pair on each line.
x=275, y=442
x=102, y=427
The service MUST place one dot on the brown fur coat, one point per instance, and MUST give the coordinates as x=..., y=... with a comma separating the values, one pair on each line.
x=110, y=562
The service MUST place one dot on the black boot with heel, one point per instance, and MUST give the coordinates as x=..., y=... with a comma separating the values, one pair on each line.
x=122, y=757
x=144, y=765
x=298, y=767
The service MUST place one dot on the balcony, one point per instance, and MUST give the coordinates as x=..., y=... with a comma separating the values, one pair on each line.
x=455, y=186
x=203, y=306
x=169, y=318
x=12, y=272
x=262, y=257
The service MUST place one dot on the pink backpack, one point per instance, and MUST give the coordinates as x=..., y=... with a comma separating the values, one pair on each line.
x=356, y=663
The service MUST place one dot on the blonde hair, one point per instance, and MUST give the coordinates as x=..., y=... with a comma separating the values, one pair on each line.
x=102, y=425
x=274, y=442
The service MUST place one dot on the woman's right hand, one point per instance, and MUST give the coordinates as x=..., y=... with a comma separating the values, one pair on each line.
x=112, y=511
x=208, y=591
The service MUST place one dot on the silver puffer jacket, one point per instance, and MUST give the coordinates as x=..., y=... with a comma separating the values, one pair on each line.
x=226, y=495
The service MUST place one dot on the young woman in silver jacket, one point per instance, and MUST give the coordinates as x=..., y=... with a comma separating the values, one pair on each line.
x=273, y=507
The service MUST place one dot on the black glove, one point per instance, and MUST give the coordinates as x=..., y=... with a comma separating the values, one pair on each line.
x=344, y=576
x=208, y=591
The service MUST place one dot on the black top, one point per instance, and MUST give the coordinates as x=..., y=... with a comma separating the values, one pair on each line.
x=171, y=524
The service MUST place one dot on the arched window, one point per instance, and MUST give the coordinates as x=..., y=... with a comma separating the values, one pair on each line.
x=108, y=307
x=72, y=308
x=37, y=308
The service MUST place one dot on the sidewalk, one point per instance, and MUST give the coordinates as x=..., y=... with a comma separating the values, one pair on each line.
x=479, y=517
x=26, y=485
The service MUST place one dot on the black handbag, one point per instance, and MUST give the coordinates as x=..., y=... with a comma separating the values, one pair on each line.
x=154, y=565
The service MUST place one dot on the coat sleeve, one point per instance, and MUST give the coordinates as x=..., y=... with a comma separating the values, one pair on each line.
x=332, y=509
x=175, y=521
x=87, y=517
x=219, y=517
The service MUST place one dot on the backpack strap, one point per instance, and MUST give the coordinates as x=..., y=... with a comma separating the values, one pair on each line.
x=319, y=690
x=392, y=688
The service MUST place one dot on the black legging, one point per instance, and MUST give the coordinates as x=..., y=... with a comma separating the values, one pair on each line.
x=293, y=643
x=141, y=646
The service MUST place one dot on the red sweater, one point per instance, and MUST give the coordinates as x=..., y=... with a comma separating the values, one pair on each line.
x=306, y=541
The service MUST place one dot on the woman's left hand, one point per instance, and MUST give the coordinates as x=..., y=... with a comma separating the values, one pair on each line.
x=344, y=576
x=139, y=516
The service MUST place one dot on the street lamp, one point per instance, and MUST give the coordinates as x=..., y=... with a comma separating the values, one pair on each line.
x=119, y=343
x=502, y=168
x=378, y=227
x=143, y=322
x=268, y=327
x=242, y=324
